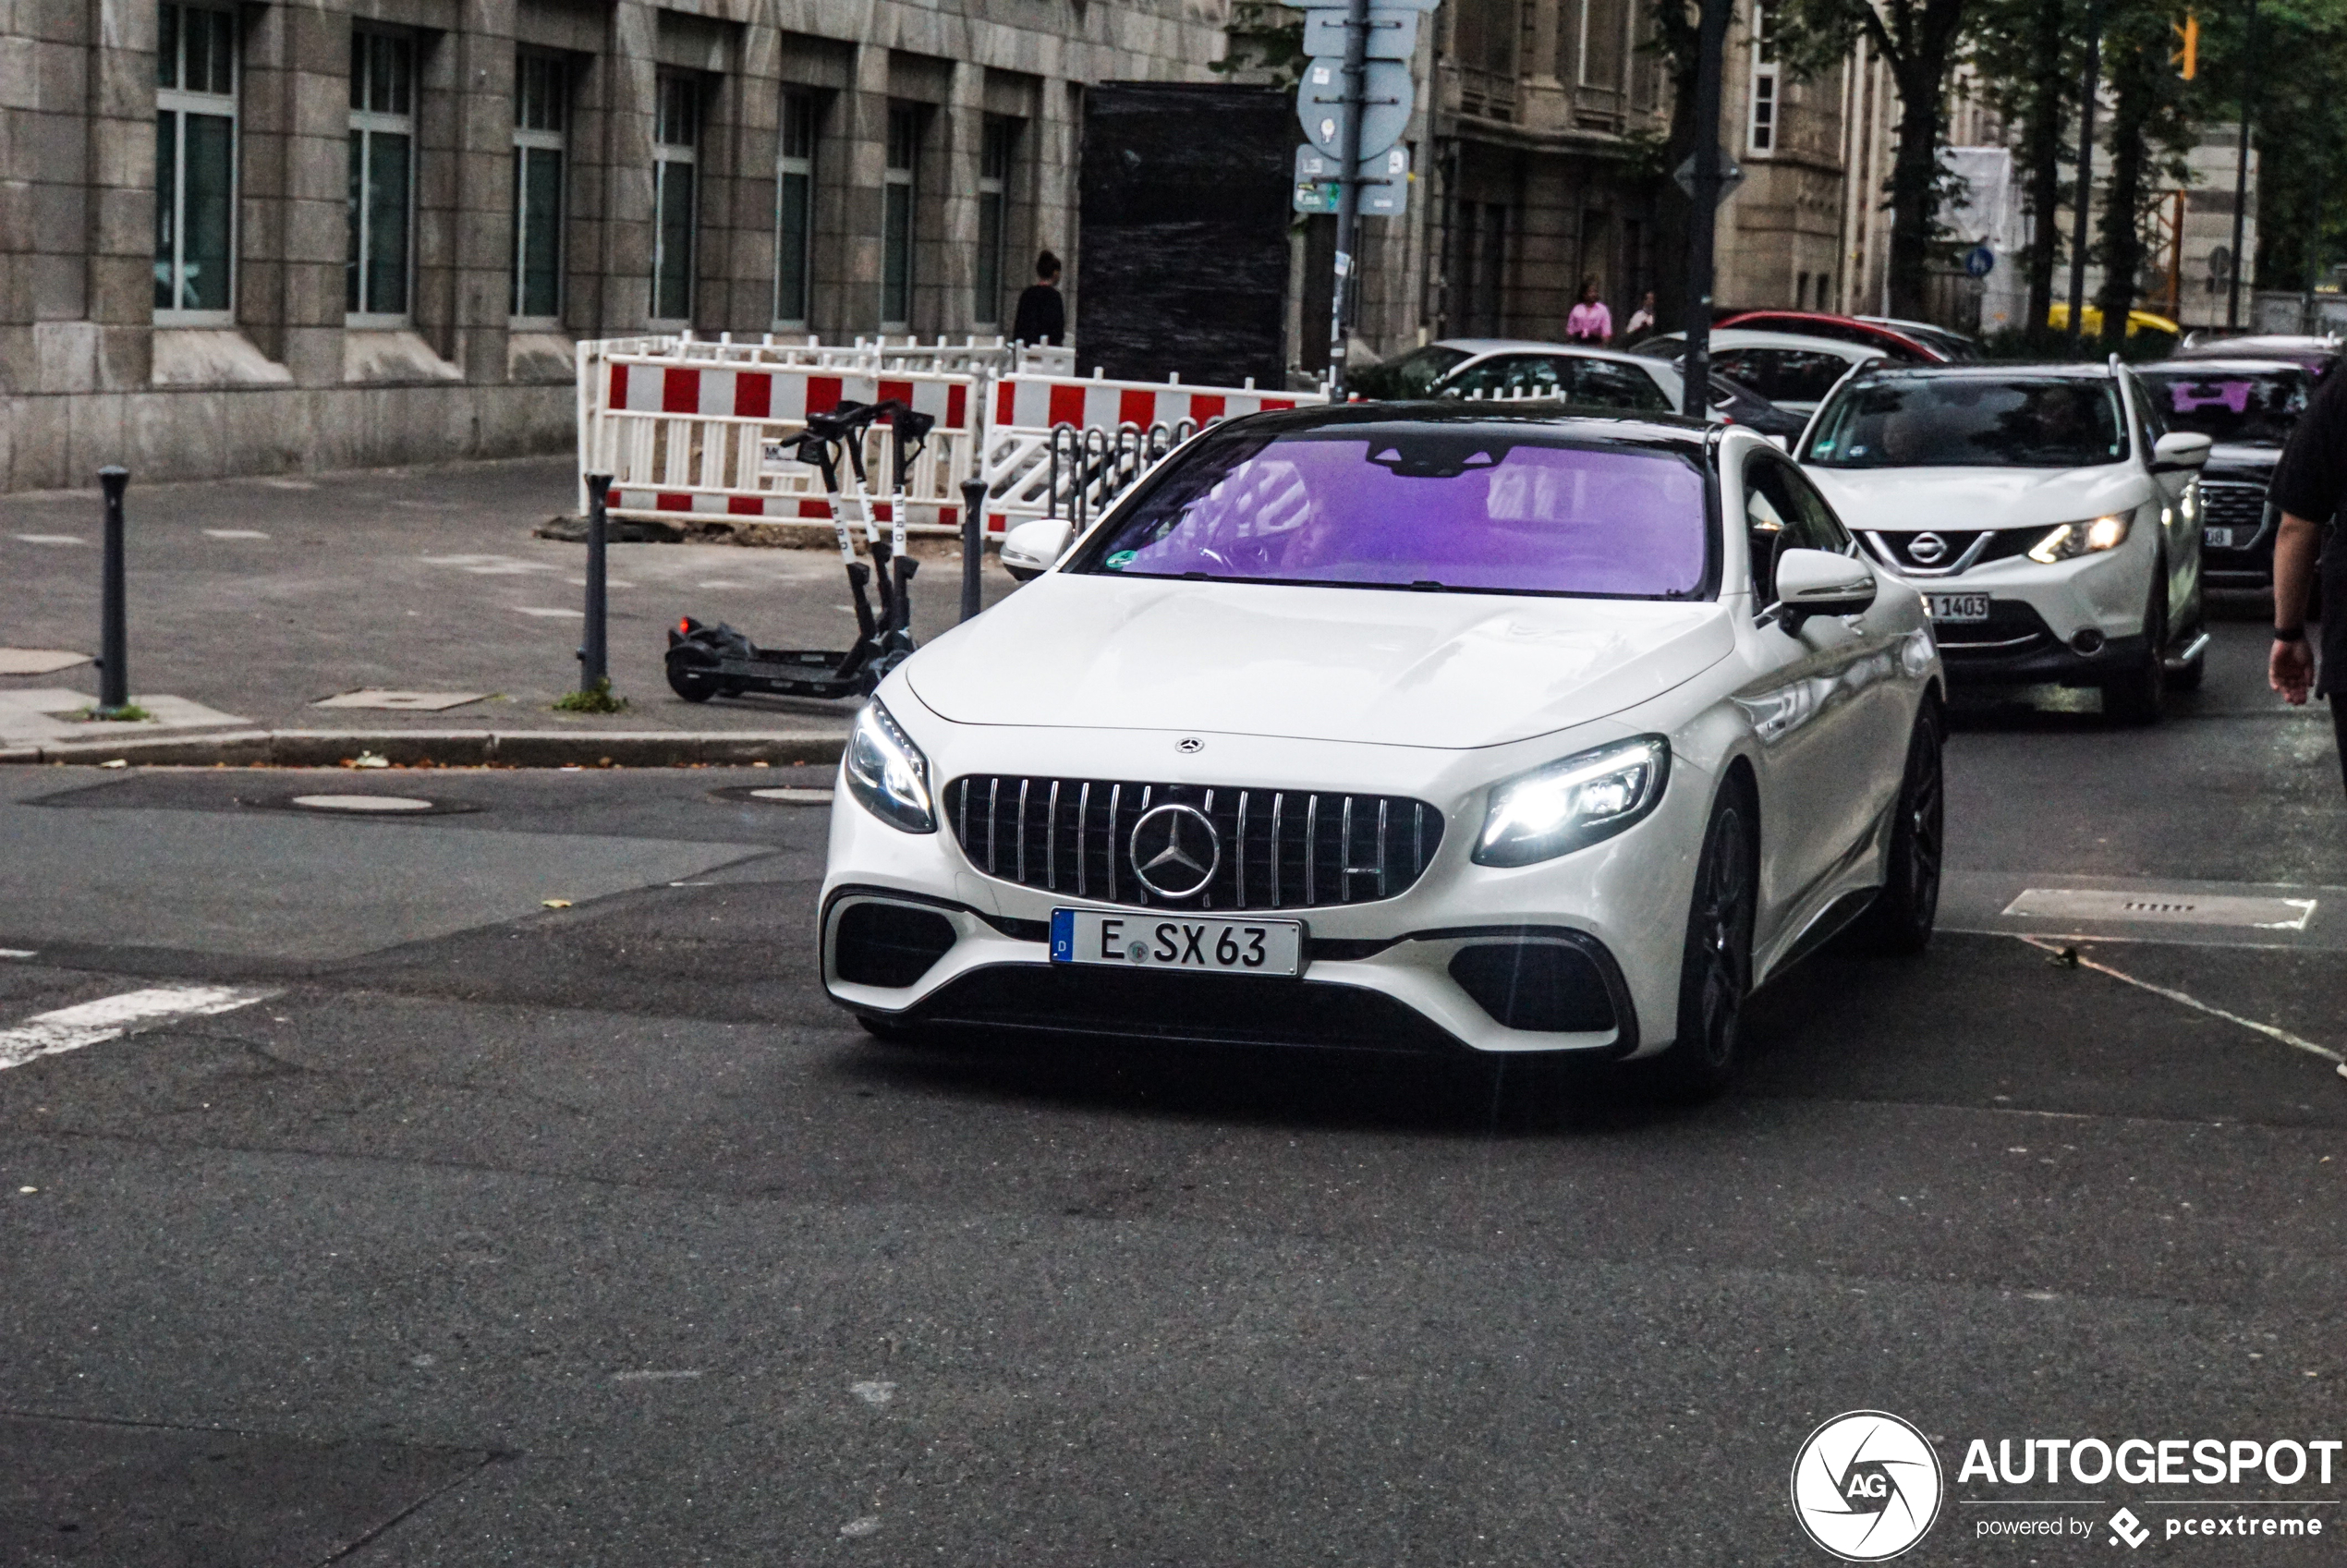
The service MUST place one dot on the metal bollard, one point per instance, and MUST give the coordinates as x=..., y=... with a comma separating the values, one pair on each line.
x=594, y=659
x=114, y=654
x=973, y=542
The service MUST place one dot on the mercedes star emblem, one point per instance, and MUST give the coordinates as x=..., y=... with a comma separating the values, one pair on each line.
x=1189, y=744
x=1926, y=548
x=1174, y=850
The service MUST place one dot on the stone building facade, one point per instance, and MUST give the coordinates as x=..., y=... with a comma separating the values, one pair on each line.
x=241, y=236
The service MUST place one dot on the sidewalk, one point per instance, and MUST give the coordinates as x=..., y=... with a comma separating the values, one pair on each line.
x=252, y=602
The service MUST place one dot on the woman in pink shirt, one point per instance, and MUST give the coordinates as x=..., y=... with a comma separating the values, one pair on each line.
x=1590, y=321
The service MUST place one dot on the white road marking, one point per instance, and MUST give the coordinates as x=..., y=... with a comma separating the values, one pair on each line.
x=650, y=1377
x=89, y=1023
x=52, y=538
x=873, y=1393
x=539, y=610
x=16, y=953
x=234, y=533
x=2268, y=1030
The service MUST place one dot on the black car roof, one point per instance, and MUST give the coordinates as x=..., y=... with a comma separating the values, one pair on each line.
x=1669, y=429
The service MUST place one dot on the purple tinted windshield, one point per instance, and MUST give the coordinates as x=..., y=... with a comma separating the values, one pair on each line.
x=1435, y=504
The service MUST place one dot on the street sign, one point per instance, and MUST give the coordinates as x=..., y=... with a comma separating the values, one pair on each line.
x=1387, y=94
x=1385, y=182
x=1393, y=33
x=1731, y=174
x=1979, y=262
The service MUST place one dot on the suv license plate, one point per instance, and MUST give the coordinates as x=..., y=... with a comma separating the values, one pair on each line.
x=1151, y=941
x=2217, y=539
x=1958, y=607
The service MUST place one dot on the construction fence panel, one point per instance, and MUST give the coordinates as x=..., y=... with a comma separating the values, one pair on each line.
x=1065, y=446
x=713, y=435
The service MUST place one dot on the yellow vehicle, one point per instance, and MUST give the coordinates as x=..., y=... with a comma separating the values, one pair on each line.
x=2058, y=317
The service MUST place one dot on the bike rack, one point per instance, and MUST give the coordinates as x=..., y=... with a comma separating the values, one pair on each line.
x=706, y=661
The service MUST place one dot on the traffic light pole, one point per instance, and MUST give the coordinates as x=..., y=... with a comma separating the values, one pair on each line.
x=2240, y=175
x=1348, y=190
x=1711, y=44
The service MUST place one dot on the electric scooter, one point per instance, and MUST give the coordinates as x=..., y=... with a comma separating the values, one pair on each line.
x=706, y=661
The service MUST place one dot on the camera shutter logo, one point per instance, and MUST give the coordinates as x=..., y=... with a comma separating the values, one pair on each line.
x=1866, y=1485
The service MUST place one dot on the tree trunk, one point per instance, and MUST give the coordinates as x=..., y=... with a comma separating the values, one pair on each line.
x=1915, y=172
x=2042, y=155
x=2133, y=104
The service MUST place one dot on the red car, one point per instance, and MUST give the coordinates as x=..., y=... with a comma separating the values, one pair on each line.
x=1897, y=344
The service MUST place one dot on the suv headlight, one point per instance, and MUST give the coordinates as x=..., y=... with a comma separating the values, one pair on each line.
x=1574, y=803
x=2065, y=540
x=887, y=774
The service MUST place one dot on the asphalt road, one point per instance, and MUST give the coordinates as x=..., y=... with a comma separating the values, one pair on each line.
x=500, y=1233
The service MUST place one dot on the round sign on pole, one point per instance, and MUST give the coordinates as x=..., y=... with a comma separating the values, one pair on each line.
x=1979, y=262
x=1385, y=109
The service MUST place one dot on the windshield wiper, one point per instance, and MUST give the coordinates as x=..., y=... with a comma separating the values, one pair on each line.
x=1428, y=585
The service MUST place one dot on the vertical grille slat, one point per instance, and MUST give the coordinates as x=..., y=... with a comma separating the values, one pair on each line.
x=1382, y=843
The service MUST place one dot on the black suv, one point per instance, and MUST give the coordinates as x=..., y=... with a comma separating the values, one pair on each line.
x=2247, y=406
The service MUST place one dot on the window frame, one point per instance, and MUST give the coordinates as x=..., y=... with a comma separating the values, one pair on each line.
x=367, y=124
x=895, y=177
x=527, y=140
x=998, y=134
x=1764, y=106
x=687, y=90
x=801, y=111
x=179, y=102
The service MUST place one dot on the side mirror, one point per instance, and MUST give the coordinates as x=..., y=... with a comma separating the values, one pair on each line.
x=2178, y=451
x=1031, y=548
x=1818, y=582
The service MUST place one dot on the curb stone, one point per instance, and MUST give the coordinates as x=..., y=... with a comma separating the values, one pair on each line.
x=520, y=749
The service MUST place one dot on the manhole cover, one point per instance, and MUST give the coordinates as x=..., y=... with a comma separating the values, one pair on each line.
x=2154, y=906
x=361, y=803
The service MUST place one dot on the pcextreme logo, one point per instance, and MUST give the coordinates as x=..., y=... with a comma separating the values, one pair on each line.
x=1866, y=1485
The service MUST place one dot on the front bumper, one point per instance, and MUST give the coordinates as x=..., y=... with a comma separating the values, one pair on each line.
x=2075, y=623
x=1580, y=954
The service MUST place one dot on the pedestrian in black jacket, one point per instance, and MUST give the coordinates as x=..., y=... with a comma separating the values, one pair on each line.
x=1043, y=314
x=2309, y=486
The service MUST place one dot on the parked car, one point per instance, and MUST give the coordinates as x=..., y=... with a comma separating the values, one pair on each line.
x=1413, y=375
x=1892, y=342
x=2247, y=406
x=1600, y=378
x=1429, y=727
x=1791, y=371
x=2047, y=511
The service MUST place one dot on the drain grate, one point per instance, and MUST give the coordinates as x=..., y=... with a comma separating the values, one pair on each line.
x=2171, y=909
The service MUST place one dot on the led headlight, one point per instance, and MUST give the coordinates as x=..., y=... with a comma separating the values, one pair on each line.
x=2065, y=540
x=887, y=774
x=1572, y=804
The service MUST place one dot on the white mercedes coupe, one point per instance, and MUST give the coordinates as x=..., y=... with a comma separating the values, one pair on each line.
x=1404, y=727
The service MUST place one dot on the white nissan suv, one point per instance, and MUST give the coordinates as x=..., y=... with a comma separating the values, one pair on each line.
x=2048, y=516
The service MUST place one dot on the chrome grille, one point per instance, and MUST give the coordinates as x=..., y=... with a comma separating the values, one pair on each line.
x=1281, y=849
x=2230, y=503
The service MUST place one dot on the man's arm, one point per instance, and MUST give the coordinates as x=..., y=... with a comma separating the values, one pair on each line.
x=2290, y=669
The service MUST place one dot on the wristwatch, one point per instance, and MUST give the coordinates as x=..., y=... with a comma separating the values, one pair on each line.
x=2290, y=634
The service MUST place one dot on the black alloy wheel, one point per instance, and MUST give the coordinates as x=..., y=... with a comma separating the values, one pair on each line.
x=1715, y=973
x=1903, y=914
x=690, y=680
x=2136, y=697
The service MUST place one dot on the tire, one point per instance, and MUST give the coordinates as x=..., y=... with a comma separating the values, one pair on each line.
x=2135, y=697
x=692, y=685
x=1902, y=916
x=1715, y=970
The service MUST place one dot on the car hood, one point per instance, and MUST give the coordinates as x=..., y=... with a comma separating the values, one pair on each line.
x=1908, y=500
x=2239, y=460
x=1448, y=670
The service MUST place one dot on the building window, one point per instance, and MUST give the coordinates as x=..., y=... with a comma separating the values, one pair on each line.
x=1760, y=132
x=382, y=176
x=794, y=211
x=675, y=159
x=196, y=166
x=542, y=120
x=993, y=213
x=897, y=218
x=1604, y=38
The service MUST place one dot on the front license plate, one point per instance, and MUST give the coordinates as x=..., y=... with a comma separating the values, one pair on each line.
x=1958, y=607
x=1151, y=941
x=2217, y=539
